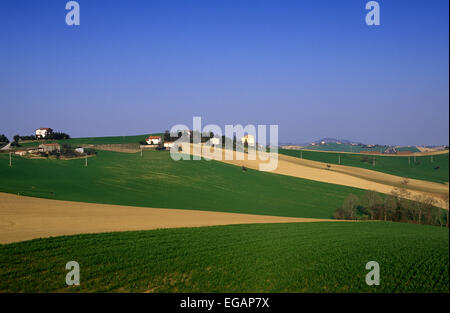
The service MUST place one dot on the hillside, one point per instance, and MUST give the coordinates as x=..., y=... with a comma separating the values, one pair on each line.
x=347, y=147
x=155, y=180
x=423, y=168
x=92, y=140
x=297, y=257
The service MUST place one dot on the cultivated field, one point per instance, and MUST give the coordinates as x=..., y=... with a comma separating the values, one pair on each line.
x=344, y=175
x=294, y=257
x=25, y=218
x=121, y=192
x=155, y=180
x=423, y=167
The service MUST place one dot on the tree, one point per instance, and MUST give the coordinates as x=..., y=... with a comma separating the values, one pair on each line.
x=401, y=194
x=339, y=214
x=424, y=206
x=57, y=136
x=350, y=204
x=446, y=201
x=372, y=201
x=389, y=206
x=16, y=138
x=166, y=135
x=3, y=139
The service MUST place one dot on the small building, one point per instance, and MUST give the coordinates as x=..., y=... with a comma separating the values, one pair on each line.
x=153, y=140
x=169, y=144
x=250, y=139
x=43, y=132
x=49, y=147
x=215, y=141
x=21, y=152
x=79, y=150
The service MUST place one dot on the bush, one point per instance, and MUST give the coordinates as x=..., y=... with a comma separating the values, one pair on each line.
x=57, y=136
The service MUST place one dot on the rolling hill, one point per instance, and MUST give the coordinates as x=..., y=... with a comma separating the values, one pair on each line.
x=155, y=180
x=432, y=168
x=92, y=140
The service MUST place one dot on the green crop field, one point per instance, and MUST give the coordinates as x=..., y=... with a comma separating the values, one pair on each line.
x=423, y=168
x=298, y=257
x=92, y=140
x=155, y=180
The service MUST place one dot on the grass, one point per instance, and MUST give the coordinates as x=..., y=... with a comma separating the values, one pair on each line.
x=402, y=166
x=92, y=140
x=299, y=257
x=155, y=180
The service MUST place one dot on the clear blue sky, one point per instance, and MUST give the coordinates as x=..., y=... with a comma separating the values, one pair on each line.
x=312, y=67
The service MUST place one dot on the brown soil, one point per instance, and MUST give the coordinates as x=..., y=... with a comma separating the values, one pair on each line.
x=24, y=218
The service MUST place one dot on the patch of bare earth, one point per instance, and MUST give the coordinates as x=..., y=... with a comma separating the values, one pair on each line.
x=23, y=218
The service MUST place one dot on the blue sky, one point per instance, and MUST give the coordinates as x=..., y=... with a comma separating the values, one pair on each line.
x=312, y=67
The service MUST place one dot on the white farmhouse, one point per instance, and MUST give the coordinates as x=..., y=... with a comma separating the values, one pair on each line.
x=153, y=140
x=43, y=132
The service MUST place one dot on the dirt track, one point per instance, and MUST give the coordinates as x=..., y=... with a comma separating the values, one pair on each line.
x=345, y=175
x=24, y=218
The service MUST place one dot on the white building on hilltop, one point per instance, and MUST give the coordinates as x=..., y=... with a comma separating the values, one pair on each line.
x=43, y=132
x=153, y=140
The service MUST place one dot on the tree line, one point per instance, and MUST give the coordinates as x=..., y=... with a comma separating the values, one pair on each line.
x=3, y=139
x=393, y=207
x=50, y=136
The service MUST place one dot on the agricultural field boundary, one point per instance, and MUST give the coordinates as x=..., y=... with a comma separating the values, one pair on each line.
x=24, y=218
x=343, y=175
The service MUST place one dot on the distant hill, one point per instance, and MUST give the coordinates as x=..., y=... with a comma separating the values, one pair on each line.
x=345, y=145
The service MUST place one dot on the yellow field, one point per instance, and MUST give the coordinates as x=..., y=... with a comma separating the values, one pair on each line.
x=24, y=218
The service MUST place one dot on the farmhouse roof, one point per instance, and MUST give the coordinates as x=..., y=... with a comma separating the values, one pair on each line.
x=50, y=144
x=154, y=137
x=44, y=128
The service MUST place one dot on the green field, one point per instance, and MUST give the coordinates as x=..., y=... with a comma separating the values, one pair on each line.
x=299, y=257
x=92, y=140
x=155, y=180
x=402, y=166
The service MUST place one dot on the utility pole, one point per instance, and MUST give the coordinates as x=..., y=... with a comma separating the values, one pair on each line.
x=141, y=152
x=86, y=160
x=414, y=159
x=374, y=162
x=409, y=160
x=10, y=159
x=339, y=159
x=301, y=155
